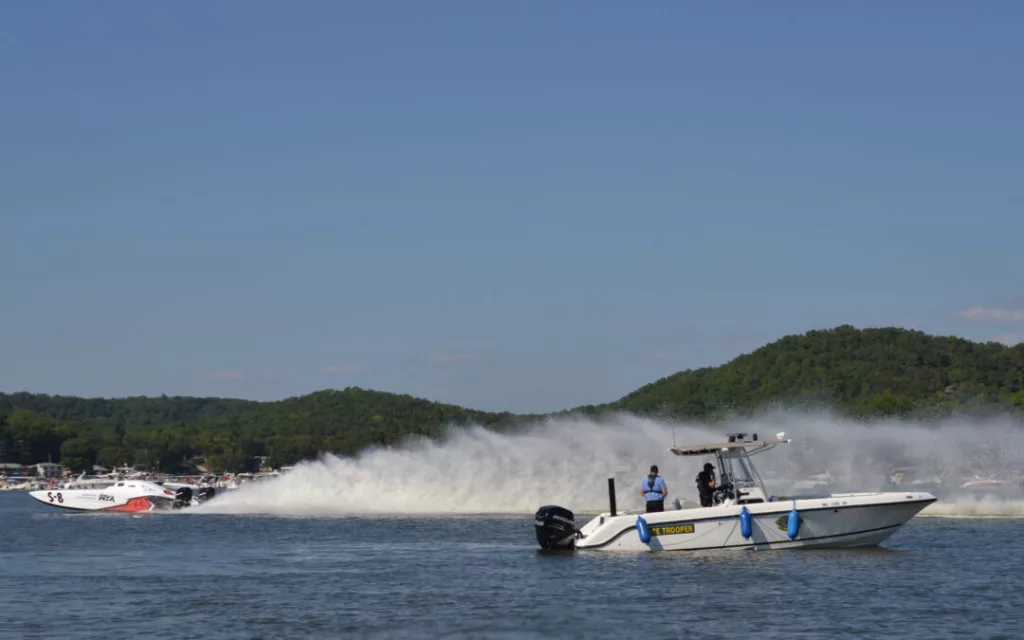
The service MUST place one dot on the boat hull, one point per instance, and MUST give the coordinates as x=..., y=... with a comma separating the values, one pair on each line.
x=837, y=521
x=101, y=500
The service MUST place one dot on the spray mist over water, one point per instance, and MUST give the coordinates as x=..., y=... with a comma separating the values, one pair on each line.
x=567, y=461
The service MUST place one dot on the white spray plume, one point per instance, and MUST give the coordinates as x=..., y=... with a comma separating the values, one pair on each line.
x=568, y=460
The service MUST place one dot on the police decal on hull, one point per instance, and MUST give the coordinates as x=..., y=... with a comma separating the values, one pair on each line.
x=671, y=528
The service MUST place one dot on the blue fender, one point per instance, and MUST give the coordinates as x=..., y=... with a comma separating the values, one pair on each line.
x=793, y=526
x=745, y=526
x=641, y=528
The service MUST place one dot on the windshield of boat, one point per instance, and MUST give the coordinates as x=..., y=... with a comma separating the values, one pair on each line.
x=741, y=471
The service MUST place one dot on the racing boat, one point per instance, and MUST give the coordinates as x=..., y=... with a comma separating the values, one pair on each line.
x=742, y=515
x=129, y=496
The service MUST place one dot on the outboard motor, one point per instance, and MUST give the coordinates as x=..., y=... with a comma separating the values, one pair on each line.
x=555, y=527
x=183, y=498
x=205, y=493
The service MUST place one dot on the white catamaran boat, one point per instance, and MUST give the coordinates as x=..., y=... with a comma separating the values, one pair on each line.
x=129, y=496
x=743, y=515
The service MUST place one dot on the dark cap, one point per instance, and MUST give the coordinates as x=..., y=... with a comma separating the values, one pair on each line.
x=654, y=468
x=708, y=466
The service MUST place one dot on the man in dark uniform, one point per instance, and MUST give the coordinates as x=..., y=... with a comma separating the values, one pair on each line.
x=706, y=484
x=654, y=490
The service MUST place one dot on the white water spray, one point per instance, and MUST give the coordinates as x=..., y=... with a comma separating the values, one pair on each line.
x=567, y=461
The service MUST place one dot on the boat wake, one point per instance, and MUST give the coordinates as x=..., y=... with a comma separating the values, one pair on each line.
x=568, y=460
x=471, y=470
x=985, y=507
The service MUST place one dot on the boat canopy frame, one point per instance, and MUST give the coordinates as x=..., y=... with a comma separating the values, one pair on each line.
x=737, y=450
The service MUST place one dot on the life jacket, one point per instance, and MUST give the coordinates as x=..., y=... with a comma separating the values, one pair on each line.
x=650, y=483
x=704, y=482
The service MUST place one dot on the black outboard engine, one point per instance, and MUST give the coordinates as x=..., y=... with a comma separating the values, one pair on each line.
x=183, y=498
x=206, y=493
x=556, y=527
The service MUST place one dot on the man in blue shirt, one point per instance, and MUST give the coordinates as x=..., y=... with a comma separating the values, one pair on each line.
x=654, y=490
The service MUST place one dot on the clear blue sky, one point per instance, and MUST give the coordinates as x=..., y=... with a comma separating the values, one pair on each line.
x=524, y=206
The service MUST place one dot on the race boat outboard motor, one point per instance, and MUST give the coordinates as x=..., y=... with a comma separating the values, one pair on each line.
x=555, y=527
x=205, y=493
x=182, y=498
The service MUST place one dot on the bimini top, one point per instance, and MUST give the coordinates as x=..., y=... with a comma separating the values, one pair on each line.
x=735, y=442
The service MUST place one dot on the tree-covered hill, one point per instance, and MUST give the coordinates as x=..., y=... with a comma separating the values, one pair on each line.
x=343, y=422
x=167, y=433
x=867, y=372
x=124, y=412
x=870, y=372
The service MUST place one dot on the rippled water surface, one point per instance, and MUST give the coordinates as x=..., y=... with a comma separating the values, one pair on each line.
x=230, y=576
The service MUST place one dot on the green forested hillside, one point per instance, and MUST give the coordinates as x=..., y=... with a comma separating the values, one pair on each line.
x=871, y=372
x=227, y=433
x=862, y=372
x=126, y=412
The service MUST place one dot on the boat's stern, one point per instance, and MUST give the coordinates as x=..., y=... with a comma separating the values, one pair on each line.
x=183, y=496
x=555, y=527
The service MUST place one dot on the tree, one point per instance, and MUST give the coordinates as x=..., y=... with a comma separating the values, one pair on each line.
x=888, y=404
x=232, y=462
x=78, y=455
x=1017, y=399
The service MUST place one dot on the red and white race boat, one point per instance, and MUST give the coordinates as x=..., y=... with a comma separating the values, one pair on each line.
x=126, y=496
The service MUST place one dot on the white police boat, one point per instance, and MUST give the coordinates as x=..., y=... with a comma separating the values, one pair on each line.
x=125, y=496
x=742, y=516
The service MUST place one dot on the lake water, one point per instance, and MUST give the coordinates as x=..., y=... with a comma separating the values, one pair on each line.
x=199, y=575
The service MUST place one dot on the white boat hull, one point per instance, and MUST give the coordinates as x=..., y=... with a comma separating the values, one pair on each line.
x=131, y=496
x=91, y=500
x=841, y=520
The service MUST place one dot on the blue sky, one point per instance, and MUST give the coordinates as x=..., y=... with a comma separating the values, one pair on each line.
x=511, y=206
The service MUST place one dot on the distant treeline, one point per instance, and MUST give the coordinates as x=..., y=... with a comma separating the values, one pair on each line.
x=169, y=433
x=863, y=373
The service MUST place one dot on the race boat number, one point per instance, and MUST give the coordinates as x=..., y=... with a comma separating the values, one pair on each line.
x=51, y=496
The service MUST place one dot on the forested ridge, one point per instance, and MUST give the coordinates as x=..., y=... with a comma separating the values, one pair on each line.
x=169, y=433
x=869, y=372
x=863, y=373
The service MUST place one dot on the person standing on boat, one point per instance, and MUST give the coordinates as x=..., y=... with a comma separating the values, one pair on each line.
x=706, y=484
x=654, y=490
